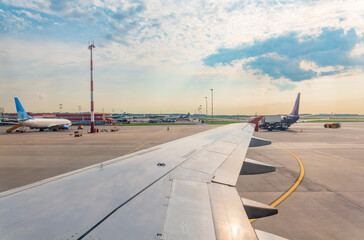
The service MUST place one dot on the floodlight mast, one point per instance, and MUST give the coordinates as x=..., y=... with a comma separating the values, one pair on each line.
x=212, y=105
x=90, y=47
x=206, y=108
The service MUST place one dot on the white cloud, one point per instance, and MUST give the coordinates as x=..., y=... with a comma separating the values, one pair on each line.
x=41, y=52
x=41, y=96
x=38, y=5
x=159, y=50
x=310, y=65
x=36, y=16
x=11, y=22
x=358, y=50
x=193, y=30
x=183, y=31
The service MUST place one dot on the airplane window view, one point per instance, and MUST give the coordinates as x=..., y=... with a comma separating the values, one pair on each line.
x=135, y=119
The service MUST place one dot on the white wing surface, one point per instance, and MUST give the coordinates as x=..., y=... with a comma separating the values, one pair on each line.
x=183, y=189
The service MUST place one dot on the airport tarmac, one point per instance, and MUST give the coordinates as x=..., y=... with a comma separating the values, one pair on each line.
x=328, y=203
x=32, y=156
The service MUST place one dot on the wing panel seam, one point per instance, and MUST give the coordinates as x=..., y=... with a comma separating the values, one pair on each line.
x=131, y=198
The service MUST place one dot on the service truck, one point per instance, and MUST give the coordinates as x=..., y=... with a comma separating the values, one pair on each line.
x=281, y=122
x=274, y=122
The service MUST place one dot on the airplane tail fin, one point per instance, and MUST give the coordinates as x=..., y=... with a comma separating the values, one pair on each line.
x=331, y=115
x=22, y=115
x=296, y=105
x=256, y=122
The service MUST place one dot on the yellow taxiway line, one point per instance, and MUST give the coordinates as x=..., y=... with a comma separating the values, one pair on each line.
x=339, y=160
x=276, y=202
x=155, y=138
x=294, y=186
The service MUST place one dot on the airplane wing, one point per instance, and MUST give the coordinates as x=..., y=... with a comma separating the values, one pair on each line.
x=184, y=189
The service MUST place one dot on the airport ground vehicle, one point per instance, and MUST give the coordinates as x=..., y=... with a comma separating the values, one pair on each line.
x=274, y=122
x=281, y=122
x=13, y=128
x=78, y=134
x=332, y=125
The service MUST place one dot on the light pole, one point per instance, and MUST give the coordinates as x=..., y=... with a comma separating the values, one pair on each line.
x=212, y=105
x=90, y=47
x=206, y=108
x=60, y=108
x=79, y=109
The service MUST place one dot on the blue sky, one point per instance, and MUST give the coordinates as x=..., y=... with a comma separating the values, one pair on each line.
x=164, y=56
x=282, y=56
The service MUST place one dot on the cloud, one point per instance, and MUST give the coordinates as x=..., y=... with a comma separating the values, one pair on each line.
x=358, y=50
x=130, y=12
x=159, y=45
x=11, y=22
x=180, y=31
x=41, y=96
x=283, y=84
x=282, y=56
x=60, y=6
x=35, y=16
x=37, y=5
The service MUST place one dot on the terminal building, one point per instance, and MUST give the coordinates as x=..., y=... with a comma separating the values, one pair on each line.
x=75, y=118
x=83, y=118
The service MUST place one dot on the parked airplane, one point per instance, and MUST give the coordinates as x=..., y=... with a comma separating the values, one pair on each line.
x=183, y=189
x=121, y=116
x=315, y=119
x=40, y=123
x=282, y=122
x=168, y=118
x=293, y=116
x=185, y=117
x=332, y=113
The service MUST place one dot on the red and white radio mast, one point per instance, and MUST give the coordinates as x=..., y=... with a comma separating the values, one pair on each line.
x=91, y=46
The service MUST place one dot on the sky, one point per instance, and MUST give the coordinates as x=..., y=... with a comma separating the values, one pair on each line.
x=165, y=56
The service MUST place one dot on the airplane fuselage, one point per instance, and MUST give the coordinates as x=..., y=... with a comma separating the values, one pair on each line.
x=44, y=122
x=290, y=119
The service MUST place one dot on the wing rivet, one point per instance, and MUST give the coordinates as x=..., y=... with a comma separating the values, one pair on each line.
x=161, y=164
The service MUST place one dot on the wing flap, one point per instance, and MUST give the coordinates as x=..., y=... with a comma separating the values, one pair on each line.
x=141, y=218
x=251, y=166
x=230, y=219
x=81, y=199
x=229, y=170
x=206, y=162
x=268, y=236
x=95, y=200
x=189, y=213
